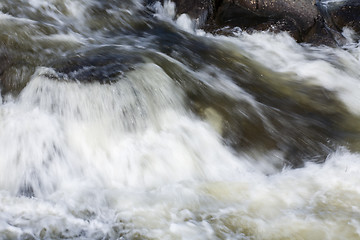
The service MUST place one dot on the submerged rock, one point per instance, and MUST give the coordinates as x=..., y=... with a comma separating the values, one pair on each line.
x=103, y=65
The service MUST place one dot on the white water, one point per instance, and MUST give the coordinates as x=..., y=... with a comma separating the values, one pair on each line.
x=127, y=160
x=332, y=69
x=103, y=160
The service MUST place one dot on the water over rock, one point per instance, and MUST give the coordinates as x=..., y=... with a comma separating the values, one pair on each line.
x=312, y=21
x=104, y=65
x=200, y=10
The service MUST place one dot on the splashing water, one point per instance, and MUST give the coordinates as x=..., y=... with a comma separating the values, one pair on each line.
x=121, y=123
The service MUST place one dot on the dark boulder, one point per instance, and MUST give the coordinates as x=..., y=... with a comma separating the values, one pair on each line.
x=296, y=17
x=321, y=34
x=197, y=9
x=201, y=10
x=311, y=21
x=104, y=65
x=344, y=14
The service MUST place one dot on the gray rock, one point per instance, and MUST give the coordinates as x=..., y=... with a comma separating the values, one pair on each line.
x=312, y=21
x=296, y=17
x=343, y=14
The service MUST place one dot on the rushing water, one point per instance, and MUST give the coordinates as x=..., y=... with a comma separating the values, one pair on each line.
x=119, y=121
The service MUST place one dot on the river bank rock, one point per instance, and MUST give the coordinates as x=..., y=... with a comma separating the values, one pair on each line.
x=344, y=14
x=296, y=17
x=312, y=21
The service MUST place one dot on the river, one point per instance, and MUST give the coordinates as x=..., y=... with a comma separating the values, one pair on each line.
x=119, y=121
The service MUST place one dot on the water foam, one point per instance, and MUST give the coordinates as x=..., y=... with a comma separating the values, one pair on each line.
x=334, y=69
x=93, y=174
x=127, y=160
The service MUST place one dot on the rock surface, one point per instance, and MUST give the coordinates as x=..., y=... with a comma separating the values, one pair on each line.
x=346, y=14
x=297, y=17
x=201, y=10
x=195, y=8
x=313, y=21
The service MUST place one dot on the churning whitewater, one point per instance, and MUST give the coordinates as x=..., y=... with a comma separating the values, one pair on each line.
x=122, y=121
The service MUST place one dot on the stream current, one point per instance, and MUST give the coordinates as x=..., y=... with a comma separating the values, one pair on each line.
x=121, y=121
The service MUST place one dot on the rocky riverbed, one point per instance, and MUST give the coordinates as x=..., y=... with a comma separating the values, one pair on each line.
x=312, y=21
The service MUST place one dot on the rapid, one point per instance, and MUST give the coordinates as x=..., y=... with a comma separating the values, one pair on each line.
x=123, y=121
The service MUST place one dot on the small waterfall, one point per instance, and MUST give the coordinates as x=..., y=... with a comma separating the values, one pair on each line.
x=121, y=121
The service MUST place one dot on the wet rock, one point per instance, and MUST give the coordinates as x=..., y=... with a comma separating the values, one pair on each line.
x=300, y=121
x=14, y=71
x=344, y=14
x=313, y=21
x=200, y=10
x=321, y=34
x=104, y=65
x=4, y=64
x=296, y=17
